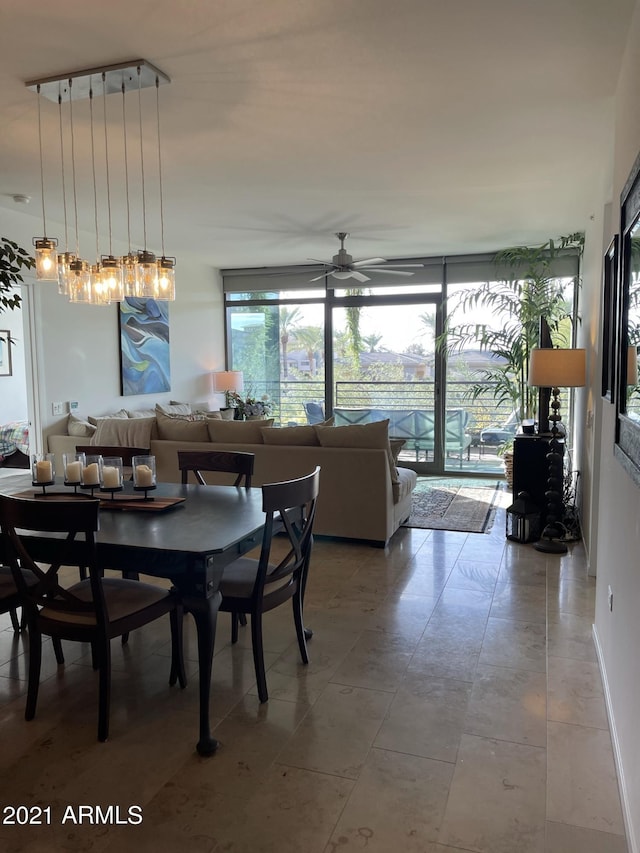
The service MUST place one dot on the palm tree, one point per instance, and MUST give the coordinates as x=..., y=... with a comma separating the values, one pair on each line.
x=372, y=341
x=288, y=319
x=311, y=338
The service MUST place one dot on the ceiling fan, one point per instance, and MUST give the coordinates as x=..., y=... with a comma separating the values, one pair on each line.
x=343, y=266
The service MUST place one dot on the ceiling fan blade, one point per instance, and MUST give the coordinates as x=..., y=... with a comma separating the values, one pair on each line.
x=359, y=276
x=318, y=277
x=369, y=261
x=404, y=266
x=389, y=272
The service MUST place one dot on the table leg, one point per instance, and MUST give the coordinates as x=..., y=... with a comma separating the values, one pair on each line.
x=205, y=615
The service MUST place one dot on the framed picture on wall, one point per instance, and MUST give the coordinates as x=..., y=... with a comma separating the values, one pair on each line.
x=5, y=352
x=610, y=309
x=144, y=346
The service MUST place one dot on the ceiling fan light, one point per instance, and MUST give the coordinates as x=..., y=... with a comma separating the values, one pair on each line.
x=341, y=274
x=46, y=259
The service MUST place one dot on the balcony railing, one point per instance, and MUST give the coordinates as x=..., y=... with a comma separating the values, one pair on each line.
x=289, y=397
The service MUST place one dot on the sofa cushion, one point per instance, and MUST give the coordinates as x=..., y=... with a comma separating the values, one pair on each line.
x=175, y=409
x=76, y=426
x=181, y=428
x=396, y=445
x=304, y=436
x=372, y=435
x=141, y=413
x=237, y=432
x=202, y=406
x=121, y=413
x=124, y=432
x=405, y=484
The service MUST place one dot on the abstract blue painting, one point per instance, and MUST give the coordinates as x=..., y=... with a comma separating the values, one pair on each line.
x=144, y=346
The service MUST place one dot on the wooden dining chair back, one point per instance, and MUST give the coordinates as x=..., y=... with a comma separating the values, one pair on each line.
x=93, y=610
x=227, y=461
x=10, y=598
x=253, y=587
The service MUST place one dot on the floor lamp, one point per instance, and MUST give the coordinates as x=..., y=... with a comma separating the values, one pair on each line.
x=555, y=369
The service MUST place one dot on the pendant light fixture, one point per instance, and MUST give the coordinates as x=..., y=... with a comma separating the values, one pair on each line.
x=65, y=258
x=166, y=275
x=111, y=266
x=46, y=247
x=139, y=273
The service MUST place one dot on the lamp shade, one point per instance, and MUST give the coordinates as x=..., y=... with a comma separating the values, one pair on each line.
x=557, y=368
x=228, y=380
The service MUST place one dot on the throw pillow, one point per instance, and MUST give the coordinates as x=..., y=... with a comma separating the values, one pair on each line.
x=396, y=445
x=121, y=413
x=175, y=409
x=141, y=413
x=294, y=436
x=195, y=407
x=237, y=432
x=373, y=435
x=176, y=428
x=76, y=426
x=124, y=432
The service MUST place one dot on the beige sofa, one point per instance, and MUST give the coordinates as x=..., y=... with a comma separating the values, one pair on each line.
x=358, y=499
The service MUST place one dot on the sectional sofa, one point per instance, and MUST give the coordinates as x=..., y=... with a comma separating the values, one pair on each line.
x=364, y=495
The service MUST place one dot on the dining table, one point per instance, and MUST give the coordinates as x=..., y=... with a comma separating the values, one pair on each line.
x=191, y=534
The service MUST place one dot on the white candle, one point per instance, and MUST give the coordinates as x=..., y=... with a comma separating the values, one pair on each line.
x=44, y=471
x=74, y=472
x=91, y=475
x=144, y=475
x=110, y=477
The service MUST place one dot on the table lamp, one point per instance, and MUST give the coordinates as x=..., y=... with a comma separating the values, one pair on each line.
x=228, y=381
x=555, y=369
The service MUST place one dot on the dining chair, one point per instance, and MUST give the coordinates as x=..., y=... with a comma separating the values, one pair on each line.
x=9, y=597
x=232, y=462
x=253, y=587
x=93, y=610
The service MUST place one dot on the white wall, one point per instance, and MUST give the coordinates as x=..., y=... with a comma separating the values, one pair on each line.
x=618, y=503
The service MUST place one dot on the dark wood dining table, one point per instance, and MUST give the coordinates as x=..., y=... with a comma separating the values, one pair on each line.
x=189, y=543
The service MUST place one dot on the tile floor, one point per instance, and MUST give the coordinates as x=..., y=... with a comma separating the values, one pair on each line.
x=453, y=703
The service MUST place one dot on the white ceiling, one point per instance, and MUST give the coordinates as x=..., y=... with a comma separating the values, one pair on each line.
x=422, y=127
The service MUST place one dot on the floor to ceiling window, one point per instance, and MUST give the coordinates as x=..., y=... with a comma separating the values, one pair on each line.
x=372, y=351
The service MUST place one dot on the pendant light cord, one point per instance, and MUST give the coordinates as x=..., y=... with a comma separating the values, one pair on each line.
x=106, y=158
x=64, y=182
x=44, y=218
x=73, y=168
x=93, y=170
x=160, y=165
x=144, y=204
x=126, y=164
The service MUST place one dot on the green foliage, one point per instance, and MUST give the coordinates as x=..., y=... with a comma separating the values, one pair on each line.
x=13, y=260
x=525, y=293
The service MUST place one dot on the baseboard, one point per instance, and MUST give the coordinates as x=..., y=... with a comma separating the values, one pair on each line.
x=617, y=756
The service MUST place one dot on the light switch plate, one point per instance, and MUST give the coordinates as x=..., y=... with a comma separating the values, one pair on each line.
x=57, y=408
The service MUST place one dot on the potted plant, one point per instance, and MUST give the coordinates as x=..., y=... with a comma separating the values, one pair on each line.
x=524, y=292
x=13, y=260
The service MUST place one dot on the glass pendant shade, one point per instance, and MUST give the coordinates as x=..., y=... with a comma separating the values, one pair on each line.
x=64, y=260
x=112, y=278
x=128, y=265
x=79, y=281
x=146, y=275
x=46, y=259
x=166, y=281
x=99, y=289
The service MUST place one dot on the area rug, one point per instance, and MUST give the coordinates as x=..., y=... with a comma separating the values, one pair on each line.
x=449, y=504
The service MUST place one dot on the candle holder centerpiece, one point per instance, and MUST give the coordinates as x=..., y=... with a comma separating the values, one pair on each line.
x=73, y=463
x=111, y=480
x=144, y=474
x=91, y=477
x=43, y=470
